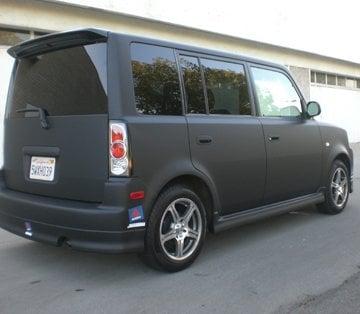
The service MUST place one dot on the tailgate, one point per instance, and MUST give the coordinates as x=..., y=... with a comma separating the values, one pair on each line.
x=62, y=79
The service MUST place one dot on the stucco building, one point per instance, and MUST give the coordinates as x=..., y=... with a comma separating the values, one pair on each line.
x=333, y=82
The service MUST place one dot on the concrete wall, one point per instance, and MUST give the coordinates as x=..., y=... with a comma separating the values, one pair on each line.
x=302, y=78
x=6, y=64
x=47, y=16
x=340, y=107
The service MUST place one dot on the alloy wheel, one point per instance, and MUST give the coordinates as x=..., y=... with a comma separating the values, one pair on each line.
x=339, y=187
x=180, y=229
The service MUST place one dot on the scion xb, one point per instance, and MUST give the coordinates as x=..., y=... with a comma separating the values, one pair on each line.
x=117, y=143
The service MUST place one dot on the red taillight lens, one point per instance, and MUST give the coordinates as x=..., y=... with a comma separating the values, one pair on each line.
x=116, y=135
x=118, y=150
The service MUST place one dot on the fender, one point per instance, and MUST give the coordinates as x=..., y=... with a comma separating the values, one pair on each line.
x=335, y=144
x=171, y=171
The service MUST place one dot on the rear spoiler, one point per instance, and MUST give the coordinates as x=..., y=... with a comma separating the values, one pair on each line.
x=57, y=41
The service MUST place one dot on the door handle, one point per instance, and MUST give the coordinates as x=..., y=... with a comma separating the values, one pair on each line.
x=204, y=139
x=273, y=138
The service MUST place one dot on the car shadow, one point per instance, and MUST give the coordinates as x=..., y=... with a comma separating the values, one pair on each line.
x=254, y=233
x=45, y=260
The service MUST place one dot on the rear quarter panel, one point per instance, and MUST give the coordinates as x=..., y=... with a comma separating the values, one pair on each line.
x=160, y=153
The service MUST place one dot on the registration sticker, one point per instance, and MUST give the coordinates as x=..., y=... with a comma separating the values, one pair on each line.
x=136, y=217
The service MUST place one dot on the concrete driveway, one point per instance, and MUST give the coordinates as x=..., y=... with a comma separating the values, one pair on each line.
x=302, y=262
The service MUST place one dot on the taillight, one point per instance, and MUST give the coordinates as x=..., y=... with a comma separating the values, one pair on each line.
x=116, y=134
x=118, y=149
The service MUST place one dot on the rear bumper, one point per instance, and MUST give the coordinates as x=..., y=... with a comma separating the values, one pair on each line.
x=82, y=225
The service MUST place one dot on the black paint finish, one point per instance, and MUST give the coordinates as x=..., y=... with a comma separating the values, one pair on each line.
x=252, y=166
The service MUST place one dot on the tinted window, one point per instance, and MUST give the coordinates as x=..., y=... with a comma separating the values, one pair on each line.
x=12, y=37
x=320, y=78
x=341, y=81
x=226, y=87
x=156, y=80
x=193, y=84
x=275, y=93
x=65, y=82
x=331, y=79
x=312, y=77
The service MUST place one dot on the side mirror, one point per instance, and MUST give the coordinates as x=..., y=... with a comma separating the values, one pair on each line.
x=313, y=109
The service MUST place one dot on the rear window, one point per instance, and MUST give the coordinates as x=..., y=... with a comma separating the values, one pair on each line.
x=70, y=81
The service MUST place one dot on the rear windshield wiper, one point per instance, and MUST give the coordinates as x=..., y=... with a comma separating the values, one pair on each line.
x=42, y=115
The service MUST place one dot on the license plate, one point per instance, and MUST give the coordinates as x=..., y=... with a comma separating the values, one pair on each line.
x=42, y=168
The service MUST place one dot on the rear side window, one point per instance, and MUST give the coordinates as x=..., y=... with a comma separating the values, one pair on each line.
x=226, y=87
x=70, y=81
x=156, y=80
x=191, y=73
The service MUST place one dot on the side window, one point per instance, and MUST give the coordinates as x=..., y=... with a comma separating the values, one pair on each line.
x=226, y=87
x=276, y=95
x=156, y=80
x=191, y=73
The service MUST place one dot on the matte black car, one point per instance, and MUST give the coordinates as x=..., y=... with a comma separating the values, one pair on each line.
x=116, y=143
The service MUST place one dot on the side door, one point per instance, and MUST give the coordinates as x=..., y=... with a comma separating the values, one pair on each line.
x=226, y=139
x=293, y=142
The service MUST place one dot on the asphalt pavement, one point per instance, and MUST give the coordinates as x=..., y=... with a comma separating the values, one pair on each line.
x=301, y=262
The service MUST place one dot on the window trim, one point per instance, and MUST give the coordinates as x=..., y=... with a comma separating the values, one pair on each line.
x=200, y=56
x=293, y=83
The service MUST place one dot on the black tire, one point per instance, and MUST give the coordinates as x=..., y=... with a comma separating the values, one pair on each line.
x=329, y=207
x=155, y=255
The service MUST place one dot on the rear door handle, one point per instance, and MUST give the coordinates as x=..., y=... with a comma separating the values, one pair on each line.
x=273, y=138
x=204, y=139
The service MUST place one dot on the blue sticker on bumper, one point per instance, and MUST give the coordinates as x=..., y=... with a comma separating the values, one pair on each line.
x=136, y=217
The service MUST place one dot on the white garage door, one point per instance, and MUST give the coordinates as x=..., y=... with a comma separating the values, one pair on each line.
x=6, y=63
x=340, y=107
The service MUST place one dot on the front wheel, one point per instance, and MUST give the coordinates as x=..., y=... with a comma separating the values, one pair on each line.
x=337, y=190
x=176, y=229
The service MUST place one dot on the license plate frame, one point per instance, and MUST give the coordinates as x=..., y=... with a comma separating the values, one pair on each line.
x=42, y=168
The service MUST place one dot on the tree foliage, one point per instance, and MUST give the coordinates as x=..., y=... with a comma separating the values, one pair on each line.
x=157, y=88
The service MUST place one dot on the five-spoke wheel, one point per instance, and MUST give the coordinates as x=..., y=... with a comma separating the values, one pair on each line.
x=176, y=229
x=180, y=228
x=337, y=189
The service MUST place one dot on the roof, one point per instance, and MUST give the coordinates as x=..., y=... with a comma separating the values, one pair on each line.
x=67, y=39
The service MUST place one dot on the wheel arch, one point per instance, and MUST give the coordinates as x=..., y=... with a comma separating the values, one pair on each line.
x=345, y=159
x=338, y=153
x=201, y=185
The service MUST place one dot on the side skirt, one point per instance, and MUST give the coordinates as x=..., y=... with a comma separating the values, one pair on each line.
x=247, y=216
